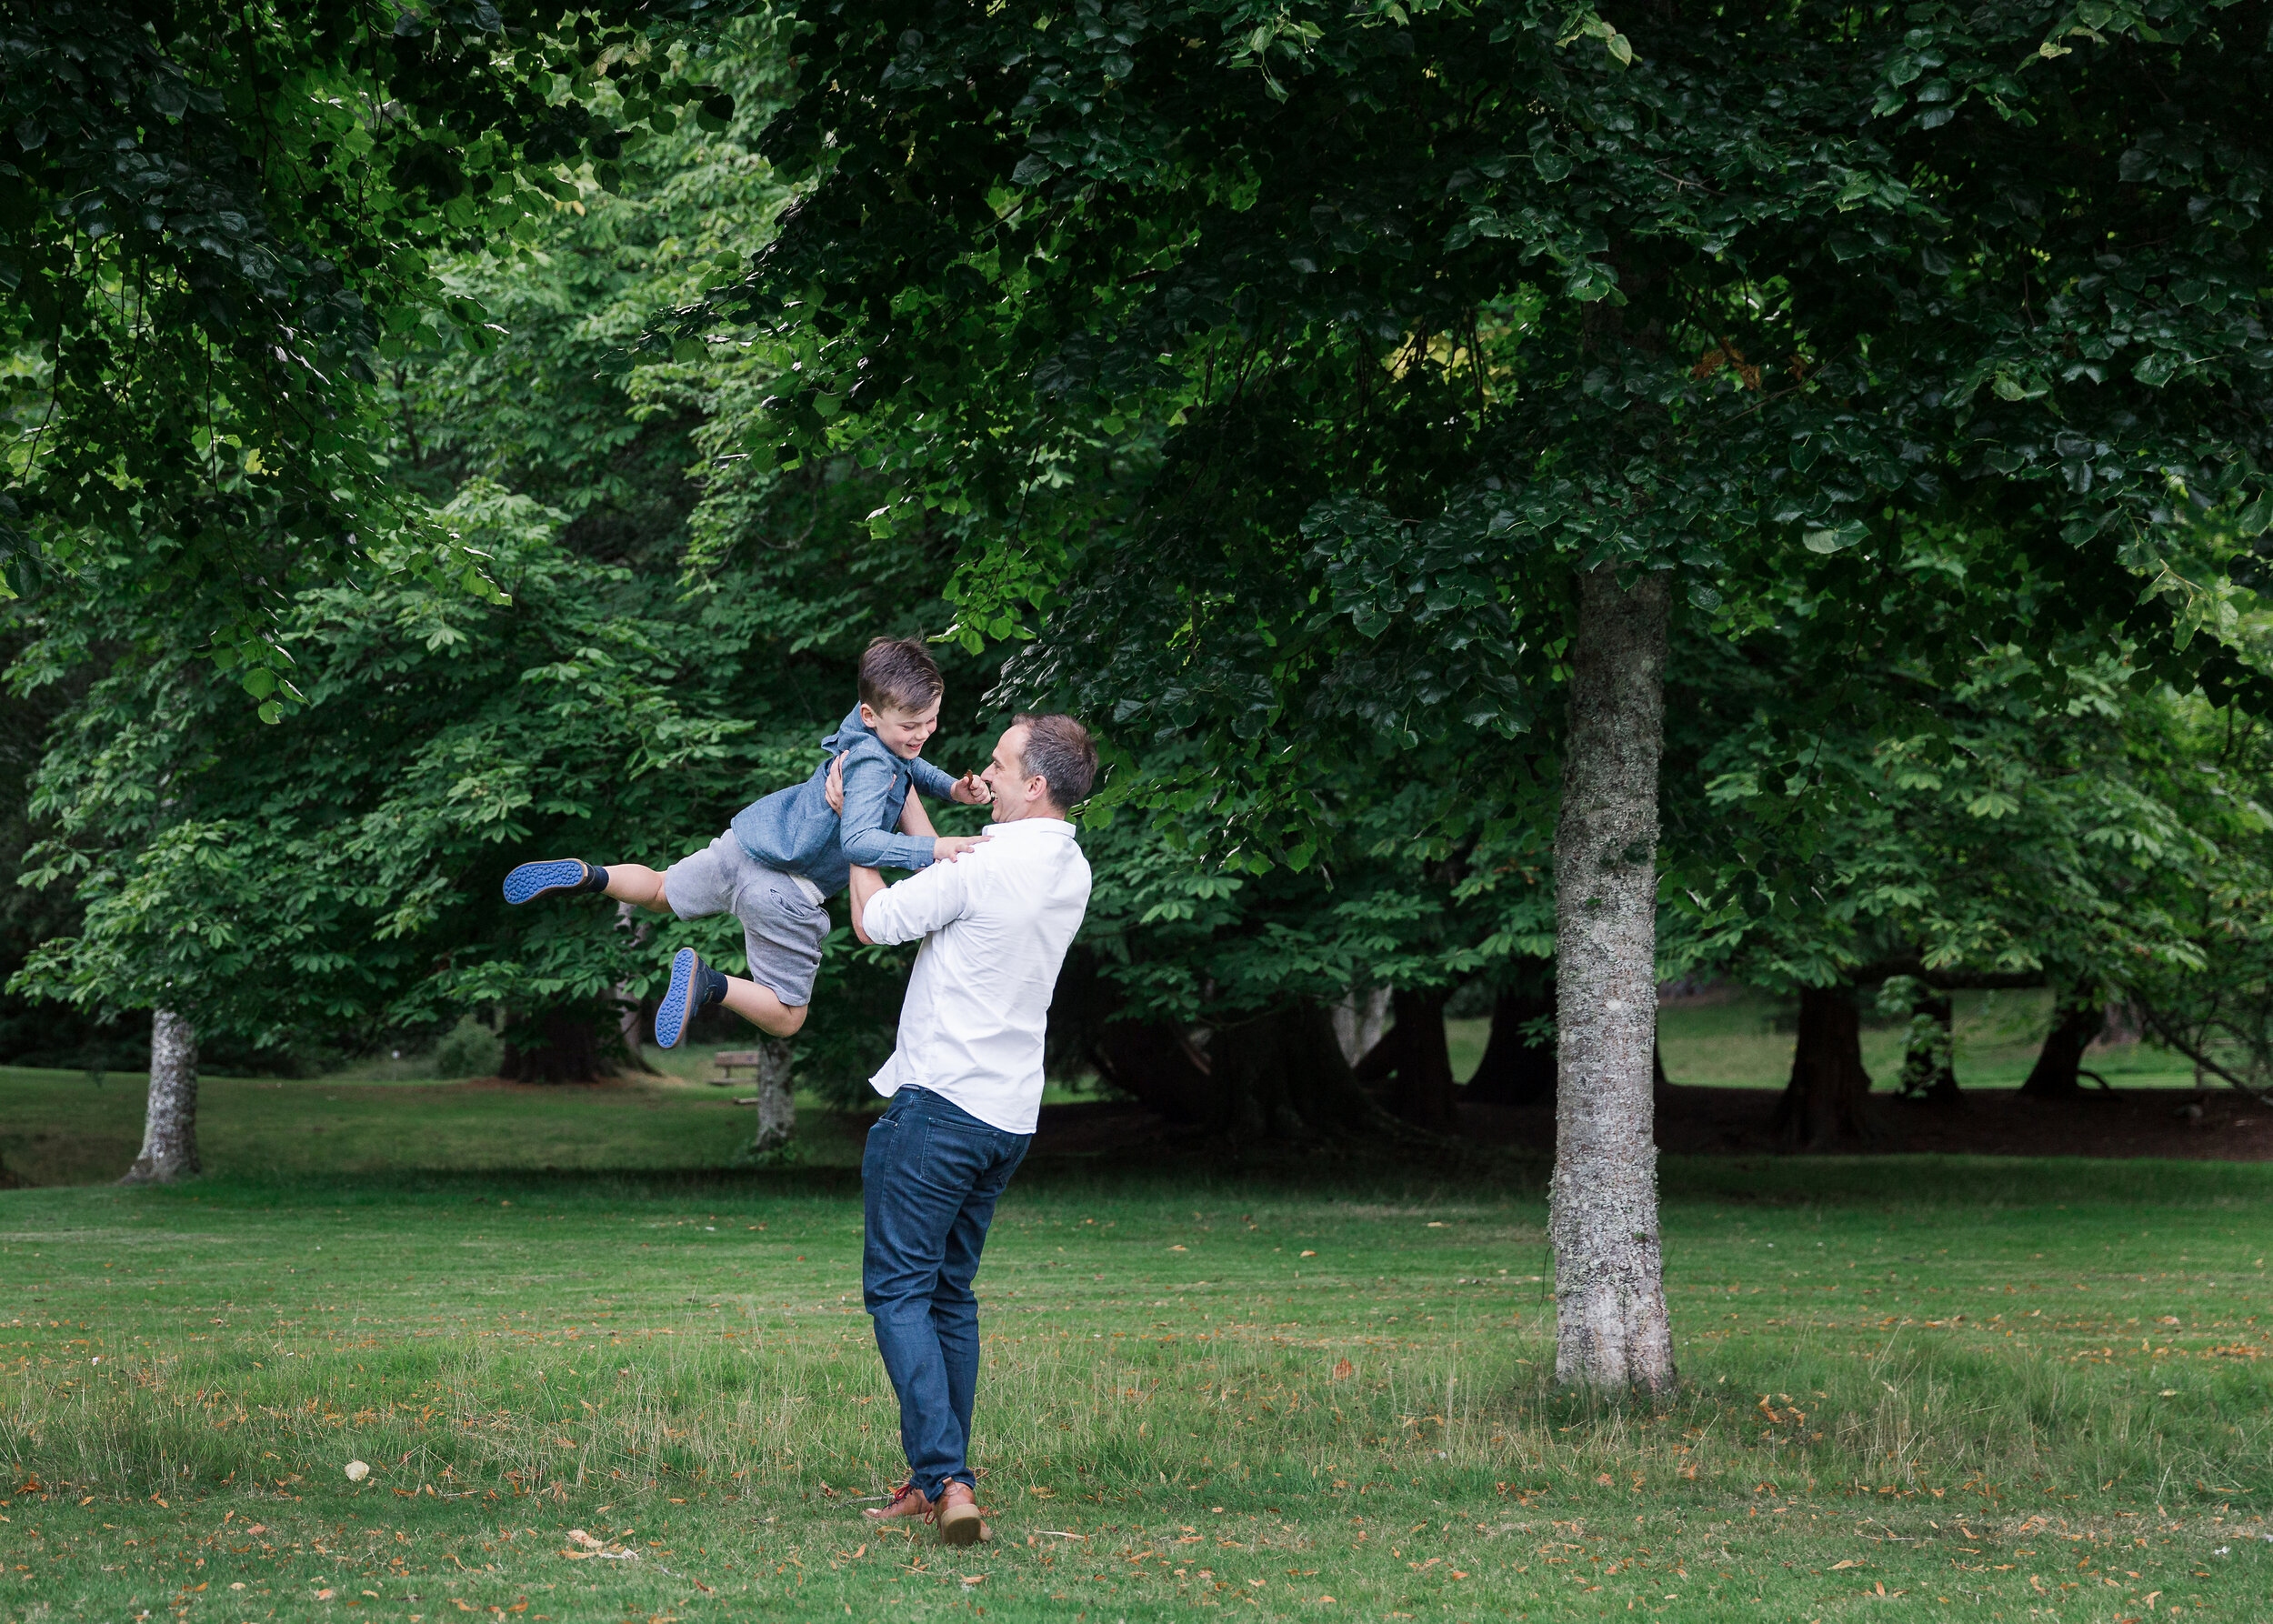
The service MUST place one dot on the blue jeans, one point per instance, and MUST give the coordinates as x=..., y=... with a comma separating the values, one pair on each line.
x=929, y=1180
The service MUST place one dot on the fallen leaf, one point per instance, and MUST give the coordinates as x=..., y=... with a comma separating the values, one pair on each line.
x=1177, y=1249
x=1344, y=1371
x=325, y=1595
x=979, y=1578
x=1850, y=1563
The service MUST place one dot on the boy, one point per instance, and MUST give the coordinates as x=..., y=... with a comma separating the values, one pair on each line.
x=784, y=856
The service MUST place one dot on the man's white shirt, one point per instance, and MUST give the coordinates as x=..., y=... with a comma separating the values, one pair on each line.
x=995, y=924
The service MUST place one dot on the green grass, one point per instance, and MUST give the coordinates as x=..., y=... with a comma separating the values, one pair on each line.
x=1731, y=1043
x=1989, y=1388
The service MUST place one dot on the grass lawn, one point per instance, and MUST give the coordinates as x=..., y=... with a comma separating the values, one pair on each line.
x=1960, y=1388
x=1731, y=1042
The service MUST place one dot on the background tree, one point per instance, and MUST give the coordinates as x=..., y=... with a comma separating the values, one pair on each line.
x=1445, y=318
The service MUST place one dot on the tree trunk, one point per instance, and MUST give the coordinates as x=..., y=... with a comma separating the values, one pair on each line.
x=1359, y=1018
x=1422, y=1095
x=1281, y=1076
x=1156, y=1066
x=169, y=1122
x=2076, y=1019
x=552, y=1047
x=776, y=1101
x=1611, y=1329
x=1826, y=1104
x=1517, y=1069
x=1930, y=1055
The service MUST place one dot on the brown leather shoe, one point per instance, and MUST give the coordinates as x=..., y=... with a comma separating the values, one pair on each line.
x=956, y=1513
x=907, y=1501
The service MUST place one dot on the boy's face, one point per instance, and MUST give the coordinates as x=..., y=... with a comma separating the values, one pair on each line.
x=905, y=733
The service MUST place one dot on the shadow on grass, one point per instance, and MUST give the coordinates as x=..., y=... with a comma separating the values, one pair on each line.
x=1826, y=1183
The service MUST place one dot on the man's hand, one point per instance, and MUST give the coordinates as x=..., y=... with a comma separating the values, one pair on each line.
x=834, y=788
x=947, y=848
x=971, y=790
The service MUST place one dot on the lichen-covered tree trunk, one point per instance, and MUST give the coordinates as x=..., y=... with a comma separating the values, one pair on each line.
x=632, y=1014
x=1611, y=1329
x=777, y=1100
x=169, y=1121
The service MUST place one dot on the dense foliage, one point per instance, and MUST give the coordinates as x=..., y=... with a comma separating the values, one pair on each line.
x=1277, y=371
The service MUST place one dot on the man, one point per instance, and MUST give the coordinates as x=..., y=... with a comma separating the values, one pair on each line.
x=965, y=1080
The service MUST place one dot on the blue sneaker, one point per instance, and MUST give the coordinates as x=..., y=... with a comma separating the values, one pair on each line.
x=532, y=880
x=689, y=993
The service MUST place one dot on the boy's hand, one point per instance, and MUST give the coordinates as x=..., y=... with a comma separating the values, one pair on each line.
x=947, y=848
x=972, y=790
x=835, y=788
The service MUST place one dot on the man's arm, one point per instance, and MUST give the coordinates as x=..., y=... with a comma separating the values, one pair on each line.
x=865, y=883
x=914, y=909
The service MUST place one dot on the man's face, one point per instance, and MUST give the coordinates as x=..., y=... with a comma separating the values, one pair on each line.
x=905, y=733
x=1006, y=775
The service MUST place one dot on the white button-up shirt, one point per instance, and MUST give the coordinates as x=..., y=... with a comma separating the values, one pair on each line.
x=995, y=924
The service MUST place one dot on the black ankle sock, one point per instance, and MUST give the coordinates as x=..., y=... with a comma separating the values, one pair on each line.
x=712, y=989
x=596, y=879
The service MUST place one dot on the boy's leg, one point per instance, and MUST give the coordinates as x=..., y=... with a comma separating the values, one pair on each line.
x=638, y=885
x=782, y=932
x=762, y=1007
x=554, y=876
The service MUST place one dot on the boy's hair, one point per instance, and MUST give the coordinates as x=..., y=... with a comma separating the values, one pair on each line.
x=899, y=673
x=1059, y=751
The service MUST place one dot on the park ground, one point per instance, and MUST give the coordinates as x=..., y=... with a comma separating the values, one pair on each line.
x=638, y=1387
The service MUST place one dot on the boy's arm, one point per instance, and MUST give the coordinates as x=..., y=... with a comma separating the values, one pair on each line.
x=865, y=827
x=969, y=790
x=931, y=780
x=858, y=791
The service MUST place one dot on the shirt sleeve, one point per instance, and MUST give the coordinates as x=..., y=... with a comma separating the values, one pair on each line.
x=932, y=780
x=864, y=831
x=921, y=903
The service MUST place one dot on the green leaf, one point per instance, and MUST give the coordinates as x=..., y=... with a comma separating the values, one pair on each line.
x=1837, y=538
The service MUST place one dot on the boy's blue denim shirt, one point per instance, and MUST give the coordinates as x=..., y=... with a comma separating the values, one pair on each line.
x=792, y=829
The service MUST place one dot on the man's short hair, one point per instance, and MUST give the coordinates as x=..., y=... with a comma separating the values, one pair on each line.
x=1059, y=751
x=899, y=673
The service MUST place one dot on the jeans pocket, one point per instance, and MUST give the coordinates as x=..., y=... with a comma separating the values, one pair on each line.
x=882, y=1143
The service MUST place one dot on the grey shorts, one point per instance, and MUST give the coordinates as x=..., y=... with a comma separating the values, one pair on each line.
x=782, y=927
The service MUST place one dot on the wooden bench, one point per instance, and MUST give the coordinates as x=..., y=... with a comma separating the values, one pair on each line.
x=729, y=1061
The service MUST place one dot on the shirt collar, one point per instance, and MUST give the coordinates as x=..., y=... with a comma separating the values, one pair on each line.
x=1057, y=826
